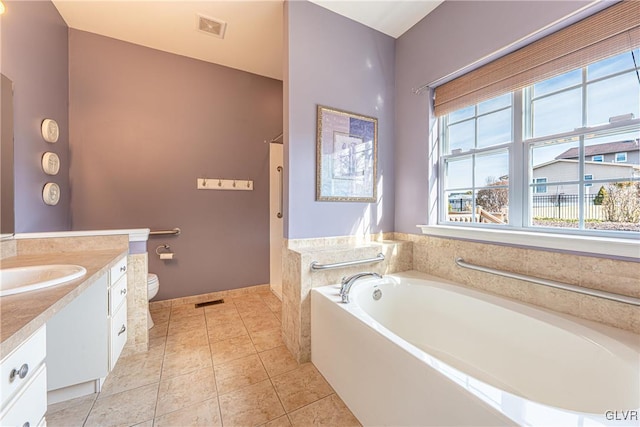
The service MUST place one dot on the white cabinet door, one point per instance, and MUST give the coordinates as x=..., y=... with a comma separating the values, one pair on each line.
x=77, y=339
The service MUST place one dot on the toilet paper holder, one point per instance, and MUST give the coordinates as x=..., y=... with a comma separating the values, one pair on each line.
x=164, y=252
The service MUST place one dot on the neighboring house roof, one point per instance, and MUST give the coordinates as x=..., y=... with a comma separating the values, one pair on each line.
x=599, y=164
x=606, y=148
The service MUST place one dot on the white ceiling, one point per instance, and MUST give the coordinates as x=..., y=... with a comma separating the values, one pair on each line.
x=254, y=36
x=391, y=17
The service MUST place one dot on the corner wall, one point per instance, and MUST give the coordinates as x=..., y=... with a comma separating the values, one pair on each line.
x=144, y=125
x=35, y=58
x=336, y=62
x=455, y=35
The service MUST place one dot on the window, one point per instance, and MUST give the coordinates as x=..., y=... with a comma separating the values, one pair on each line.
x=476, y=159
x=621, y=157
x=588, y=177
x=540, y=188
x=561, y=129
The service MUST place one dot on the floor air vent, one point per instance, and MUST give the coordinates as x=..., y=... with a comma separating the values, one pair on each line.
x=211, y=26
x=214, y=302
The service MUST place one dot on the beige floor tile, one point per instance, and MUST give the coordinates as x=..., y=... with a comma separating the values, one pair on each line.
x=186, y=339
x=71, y=413
x=283, y=421
x=255, y=310
x=72, y=402
x=160, y=315
x=187, y=324
x=185, y=361
x=239, y=373
x=220, y=331
x=185, y=390
x=231, y=349
x=256, y=307
x=330, y=412
x=157, y=344
x=255, y=323
x=183, y=311
x=250, y=406
x=278, y=360
x=228, y=307
x=202, y=414
x=124, y=409
x=133, y=371
x=148, y=423
x=300, y=387
x=272, y=302
x=267, y=339
x=248, y=299
x=159, y=330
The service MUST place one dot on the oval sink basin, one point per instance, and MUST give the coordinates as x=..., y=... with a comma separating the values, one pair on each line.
x=24, y=279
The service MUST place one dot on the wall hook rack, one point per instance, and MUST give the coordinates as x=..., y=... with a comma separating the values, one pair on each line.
x=225, y=184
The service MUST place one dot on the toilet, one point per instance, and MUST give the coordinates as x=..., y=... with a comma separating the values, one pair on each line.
x=152, y=290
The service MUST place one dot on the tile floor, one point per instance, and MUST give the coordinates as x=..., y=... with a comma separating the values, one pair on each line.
x=221, y=365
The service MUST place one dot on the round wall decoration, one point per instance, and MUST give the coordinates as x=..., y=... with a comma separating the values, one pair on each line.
x=50, y=163
x=50, y=130
x=51, y=193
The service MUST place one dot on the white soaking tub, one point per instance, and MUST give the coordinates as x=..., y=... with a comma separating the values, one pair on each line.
x=430, y=352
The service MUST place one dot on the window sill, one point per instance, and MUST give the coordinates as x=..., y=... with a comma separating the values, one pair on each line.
x=588, y=245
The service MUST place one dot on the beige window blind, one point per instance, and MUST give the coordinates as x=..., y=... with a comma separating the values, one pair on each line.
x=607, y=33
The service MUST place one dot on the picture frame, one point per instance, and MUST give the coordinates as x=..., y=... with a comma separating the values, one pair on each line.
x=346, y=156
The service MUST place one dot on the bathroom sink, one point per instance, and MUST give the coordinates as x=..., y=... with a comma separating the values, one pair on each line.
x=24, y=279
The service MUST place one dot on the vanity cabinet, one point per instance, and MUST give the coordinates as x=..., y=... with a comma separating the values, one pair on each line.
x=78, y=341
x=23, y=384
x=117, y=310
x=85, y=339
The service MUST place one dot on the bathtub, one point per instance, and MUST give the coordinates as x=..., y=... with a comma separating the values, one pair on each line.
x=430, y=352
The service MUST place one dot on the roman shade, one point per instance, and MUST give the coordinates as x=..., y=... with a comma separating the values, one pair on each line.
x=607, y=33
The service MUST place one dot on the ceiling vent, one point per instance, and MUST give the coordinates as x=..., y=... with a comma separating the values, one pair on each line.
x=211, y=26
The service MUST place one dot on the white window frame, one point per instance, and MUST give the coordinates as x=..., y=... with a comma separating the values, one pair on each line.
x=598, y=158
x=624, y=159
x=520, y=196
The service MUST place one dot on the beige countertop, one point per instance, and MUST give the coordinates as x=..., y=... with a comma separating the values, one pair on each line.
x=22, y=314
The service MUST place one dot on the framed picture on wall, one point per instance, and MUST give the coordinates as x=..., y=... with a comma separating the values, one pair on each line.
x=346, y=156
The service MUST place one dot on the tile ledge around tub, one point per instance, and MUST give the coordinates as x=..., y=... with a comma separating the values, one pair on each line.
x=135, y=234
x=626, y=249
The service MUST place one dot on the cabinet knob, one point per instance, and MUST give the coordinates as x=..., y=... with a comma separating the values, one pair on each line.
x=123, y=268
x=27, y=424
x=123, y=291
x=124, y=328
x=20, y=373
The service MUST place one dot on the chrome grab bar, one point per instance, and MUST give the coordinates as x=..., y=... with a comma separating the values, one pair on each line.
x=176, y=232
x=552, y=283
x=280, y=201
x=316, y=266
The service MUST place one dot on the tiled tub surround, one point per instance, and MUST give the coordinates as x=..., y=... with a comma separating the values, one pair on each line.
x=23, y=314
x=435, y=255
x=298, y=279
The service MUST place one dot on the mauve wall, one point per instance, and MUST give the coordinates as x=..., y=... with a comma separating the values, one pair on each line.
x=339, y=63
x=144, y=125
x=35, y=58
x=454, y=35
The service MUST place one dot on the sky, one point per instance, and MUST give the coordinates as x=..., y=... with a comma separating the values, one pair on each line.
x=557, y=108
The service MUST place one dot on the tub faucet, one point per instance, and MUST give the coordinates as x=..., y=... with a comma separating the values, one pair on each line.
x=347, y=282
